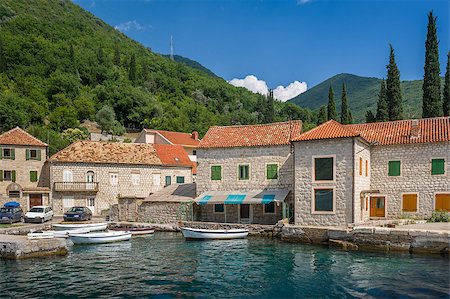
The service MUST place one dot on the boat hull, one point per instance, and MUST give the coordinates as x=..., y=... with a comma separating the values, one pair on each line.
x=192, y=233
x=100, y=238
x=87, y=226
x=136, y=231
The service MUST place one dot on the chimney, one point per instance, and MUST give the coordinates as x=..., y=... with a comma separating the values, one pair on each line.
x=415, y=129
x=194, y=135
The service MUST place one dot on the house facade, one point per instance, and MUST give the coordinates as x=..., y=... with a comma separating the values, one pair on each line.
x=97, y=174
x=245, y=174
x=24, y=176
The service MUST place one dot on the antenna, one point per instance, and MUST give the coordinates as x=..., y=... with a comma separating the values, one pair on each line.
x=171, y=47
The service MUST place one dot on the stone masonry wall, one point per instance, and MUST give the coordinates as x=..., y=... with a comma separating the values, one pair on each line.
x=362, y=182
x=415, y=175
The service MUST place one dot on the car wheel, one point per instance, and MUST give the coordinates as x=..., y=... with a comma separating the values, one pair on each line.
x=42, y=220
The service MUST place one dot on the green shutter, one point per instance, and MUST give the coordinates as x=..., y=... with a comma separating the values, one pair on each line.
x=1, y=175
x=27, y=154
x=33, y=176
x=13, y=176
x=437, y=166
x=216, y=173
x=394, y=168
x=1, y=153
x=272, y=171
x=13, y=154
x=38, y=152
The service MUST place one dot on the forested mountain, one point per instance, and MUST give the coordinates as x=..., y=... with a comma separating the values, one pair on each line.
x=60, y=65
x=362, y=94
x=192, y=63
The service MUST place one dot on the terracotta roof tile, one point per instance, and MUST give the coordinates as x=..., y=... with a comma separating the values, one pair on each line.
x=251, y=135
x=178, y=138
x=328, y=130
x=173, y=155
x=17, y=136
x=108, y=153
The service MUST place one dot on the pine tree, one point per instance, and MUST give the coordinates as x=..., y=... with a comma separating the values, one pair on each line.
x=117, y=55
x=346, y=115
x=431, y=101
x=393, y=91
x=322, y=115
x=331, y=109
x=370, y=118
x=446, y=98
x=100, y=55
x=132, y=70
x=270, y=110
x=3, y=65
x=382, y=105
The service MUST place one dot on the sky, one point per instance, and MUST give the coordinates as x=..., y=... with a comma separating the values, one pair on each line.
x=286, y=45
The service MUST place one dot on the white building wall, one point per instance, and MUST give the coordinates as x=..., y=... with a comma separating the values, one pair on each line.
x=361, y=181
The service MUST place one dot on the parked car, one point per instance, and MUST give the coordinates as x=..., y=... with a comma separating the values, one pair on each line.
x=11, y=212
x=39, y=214
x=78, y=214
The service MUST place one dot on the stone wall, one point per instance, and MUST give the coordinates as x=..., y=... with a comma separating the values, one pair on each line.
x=415, y=175
x=361, y=181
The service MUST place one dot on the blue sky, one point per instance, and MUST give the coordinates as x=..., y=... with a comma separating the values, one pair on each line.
x=284, y=41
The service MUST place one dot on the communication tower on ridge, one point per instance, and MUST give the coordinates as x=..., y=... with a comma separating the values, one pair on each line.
x=171, y=47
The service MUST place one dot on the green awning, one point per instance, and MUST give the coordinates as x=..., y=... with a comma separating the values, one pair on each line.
x=239, y=197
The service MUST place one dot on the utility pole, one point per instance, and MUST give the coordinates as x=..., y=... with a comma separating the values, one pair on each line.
x=171, y=47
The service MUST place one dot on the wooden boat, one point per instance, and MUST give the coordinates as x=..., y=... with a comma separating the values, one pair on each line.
x=135, y=231
x=90, y=226
x=100, y=238
x=40, y=235
x=220, y=234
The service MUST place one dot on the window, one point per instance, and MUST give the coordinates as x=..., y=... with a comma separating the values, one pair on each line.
x=216, y=173
x=180, y=179
x=437, y=166
x=272, y=171
x=367, y=167
x=168, y=180
x=90, y=202
x=442, y=202
x=33, y=154
x=394, y=168
x=14, y=194
x=243, y=172
x=269, y=208
x=8, y=175
x=67, y=176
x=323, y=200
x=194, y=153
x=68, y=202
x=157, y=179
x=219, y=208
x=114, y=178
x=323, y=169
x=409, y=202
x=135, y=179
x=7, y=153
x=33, y=176
x=90, y=176
x=360, y=166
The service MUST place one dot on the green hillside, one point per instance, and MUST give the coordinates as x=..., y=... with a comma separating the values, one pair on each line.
x=60, y=65
x=192, y=63
x=362, y=93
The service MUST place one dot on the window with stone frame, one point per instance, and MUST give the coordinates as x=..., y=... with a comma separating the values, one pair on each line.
x=7, y=153
x=180, y=179
x=269, y=208
x=323, y=200
x=114, y=178
x=244, y=172
x=8, y=175
x=394, y=168
x=438, y=166
x=216, y=172
x=272, y=171
x=135, y=178
x=219, y=208
x=324, y=169
x=14, y=194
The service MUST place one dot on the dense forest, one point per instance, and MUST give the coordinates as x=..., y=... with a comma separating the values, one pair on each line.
x=61, y=65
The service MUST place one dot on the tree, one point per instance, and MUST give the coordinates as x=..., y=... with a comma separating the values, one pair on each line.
x=106, y=118
x=74, y=134
x=63, y=117
x=446, y=97
x=370, y=118
x=270, y=112
x=2, y=57
x=331, y=109
x=393, y=91
x=117, y=55
x=382, y=104
x=132, y=70
x=346, y=116
x=100, y=55
x=322, y=115
x=431, y=101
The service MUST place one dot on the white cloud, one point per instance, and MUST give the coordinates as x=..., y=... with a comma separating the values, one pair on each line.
x=301, y=2
x=280, y=93
x=130, y=25
x=292, y=90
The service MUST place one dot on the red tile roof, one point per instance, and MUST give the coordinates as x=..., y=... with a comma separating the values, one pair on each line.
x=173, y=155
x=328, y=130
x=17, y=136
x=179, y=138
x=251, y=135
x=385, y=133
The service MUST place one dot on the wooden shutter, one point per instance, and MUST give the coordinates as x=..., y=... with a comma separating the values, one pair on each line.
x=272, y=171
x=410, y=202
x=1, y=153
x=1, y=175
x=13, y=154
x=33, y=176
x=442, y=202
x=38, y=153
x=216, y=173
x=360, y=166
x=27, y=154
x=437, y=166
x=394, y=168
x=13, y=176
x=367, y=167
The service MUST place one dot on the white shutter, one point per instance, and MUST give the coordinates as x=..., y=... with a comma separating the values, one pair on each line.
x=68, y=202
x=156, y=179
x=67, y=176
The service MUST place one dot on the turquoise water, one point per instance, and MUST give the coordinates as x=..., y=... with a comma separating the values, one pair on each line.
x=165, y=265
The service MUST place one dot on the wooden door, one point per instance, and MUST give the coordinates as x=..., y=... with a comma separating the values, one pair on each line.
x=35, y=200
x=377, y=207
x=442, y=202
x=245, y=212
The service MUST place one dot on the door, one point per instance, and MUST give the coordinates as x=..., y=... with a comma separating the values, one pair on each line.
x=377, y=207
x=35, y=200
x=168, y=181
x=90, y=180
x=244, y=214
x=90, y=203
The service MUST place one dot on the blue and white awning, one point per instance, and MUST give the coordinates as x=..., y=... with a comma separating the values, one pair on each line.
x=238, y=197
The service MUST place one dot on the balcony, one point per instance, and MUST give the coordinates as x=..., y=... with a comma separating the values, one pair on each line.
x=75, y=187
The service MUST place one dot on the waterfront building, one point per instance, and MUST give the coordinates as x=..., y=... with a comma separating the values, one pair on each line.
x=245, y=173
x=23, y=172
x=98, y=174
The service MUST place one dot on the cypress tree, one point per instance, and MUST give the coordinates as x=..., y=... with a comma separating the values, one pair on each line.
x=446, y=98
x=322, y=116
x=382, y=104
x=2, y=57
x=100, y=56
x=331, y=109
x=346, y=115
x=132, y=70
x=431, y=101
x=393, y=91
x=270, y=111
x=370, y=118
x=117, y=55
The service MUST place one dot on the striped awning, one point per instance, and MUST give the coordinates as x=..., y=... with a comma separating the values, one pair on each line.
x=237, y=197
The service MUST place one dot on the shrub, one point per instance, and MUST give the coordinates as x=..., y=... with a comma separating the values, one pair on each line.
x=440, y=216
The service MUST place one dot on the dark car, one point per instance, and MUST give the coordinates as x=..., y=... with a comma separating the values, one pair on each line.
x=78, y=214
x=10, y=214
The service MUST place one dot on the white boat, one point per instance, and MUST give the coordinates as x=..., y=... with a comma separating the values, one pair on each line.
x=40, y=235
x=91, y=226
x=66, y=233
x=220, y=234
x=100, y=238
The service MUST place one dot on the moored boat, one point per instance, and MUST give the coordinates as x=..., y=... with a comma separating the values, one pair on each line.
x=220, y=234
x=135, y=231
x=40, y=235
x=100, y=238
x=88, y=226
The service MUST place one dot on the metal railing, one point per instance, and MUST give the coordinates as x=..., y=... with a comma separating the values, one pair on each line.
x=76, y=186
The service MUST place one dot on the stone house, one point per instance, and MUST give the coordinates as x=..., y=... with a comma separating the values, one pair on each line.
x=352, y=173
x=23, y=173
x=245, y=174
x=97, y=174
